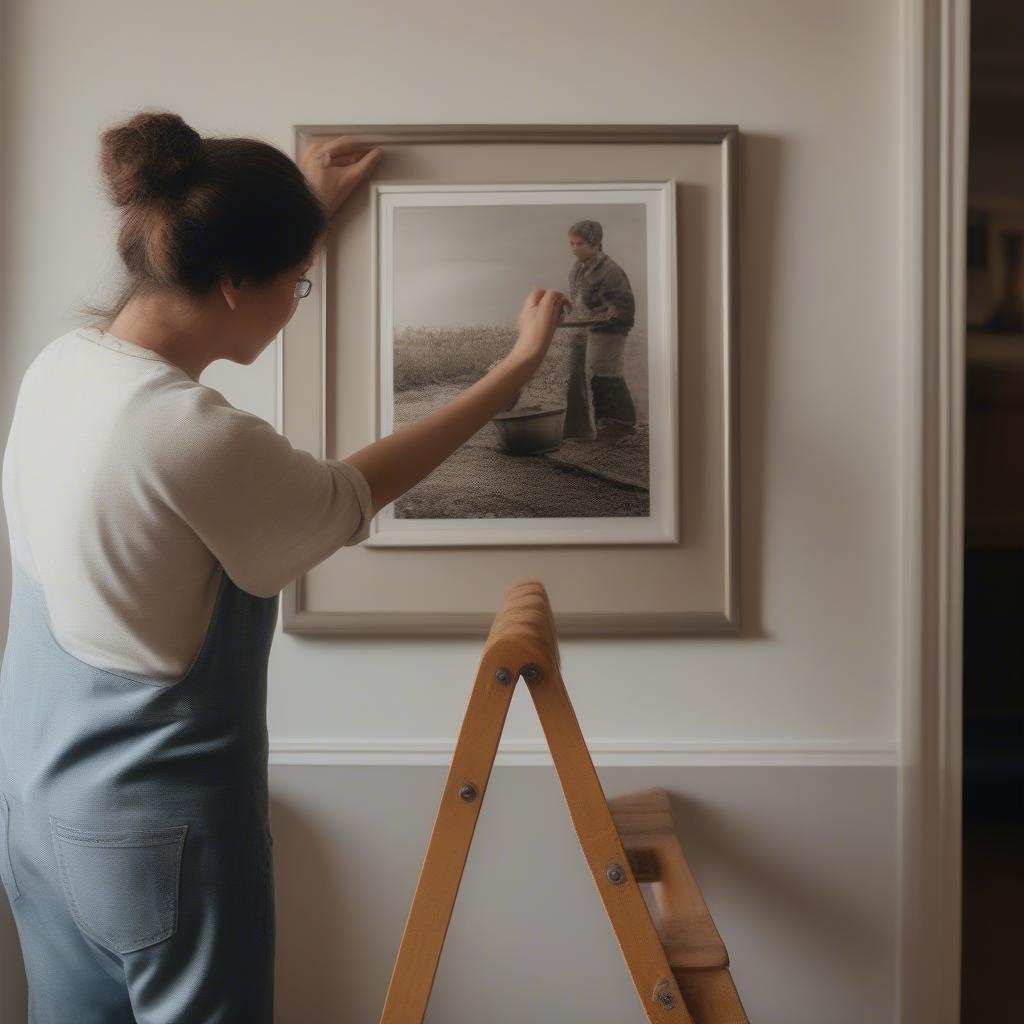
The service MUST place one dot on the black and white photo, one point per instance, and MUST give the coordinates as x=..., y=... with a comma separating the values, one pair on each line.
x=584, y=453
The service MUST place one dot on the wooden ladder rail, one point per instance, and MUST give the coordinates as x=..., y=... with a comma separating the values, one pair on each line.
x=523, y=643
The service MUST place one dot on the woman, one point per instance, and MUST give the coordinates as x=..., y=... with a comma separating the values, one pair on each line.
x=152, y=525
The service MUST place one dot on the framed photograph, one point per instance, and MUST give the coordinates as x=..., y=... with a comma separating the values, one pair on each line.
x=613, y=475
x=453, y=265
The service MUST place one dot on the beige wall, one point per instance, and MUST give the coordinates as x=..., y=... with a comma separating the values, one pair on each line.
x=781, y=746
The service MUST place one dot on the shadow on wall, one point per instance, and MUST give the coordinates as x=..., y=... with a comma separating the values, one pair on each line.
x=780, y=904
x=761, y=169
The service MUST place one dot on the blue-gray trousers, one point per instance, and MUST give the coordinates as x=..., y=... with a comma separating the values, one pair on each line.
x=135, y=844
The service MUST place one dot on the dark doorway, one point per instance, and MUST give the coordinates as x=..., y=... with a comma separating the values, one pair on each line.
x=993, y=694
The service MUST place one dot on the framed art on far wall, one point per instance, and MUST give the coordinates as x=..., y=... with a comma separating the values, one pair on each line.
x=633, y=533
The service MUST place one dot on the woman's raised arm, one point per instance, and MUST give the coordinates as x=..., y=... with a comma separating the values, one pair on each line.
x=399, y=461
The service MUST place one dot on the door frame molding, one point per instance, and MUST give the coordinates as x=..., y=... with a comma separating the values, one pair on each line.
x=936, y=67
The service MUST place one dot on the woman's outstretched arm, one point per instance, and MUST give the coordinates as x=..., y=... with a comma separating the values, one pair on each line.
x=399, y=461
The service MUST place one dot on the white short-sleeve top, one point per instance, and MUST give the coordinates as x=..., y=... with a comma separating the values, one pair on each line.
x=126, y=482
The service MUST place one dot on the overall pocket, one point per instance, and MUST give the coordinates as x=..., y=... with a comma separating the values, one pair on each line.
x=121, y=884
x=10, y=883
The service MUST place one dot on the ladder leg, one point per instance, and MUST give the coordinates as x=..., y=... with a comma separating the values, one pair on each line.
x=624, y=903
x=441, y=872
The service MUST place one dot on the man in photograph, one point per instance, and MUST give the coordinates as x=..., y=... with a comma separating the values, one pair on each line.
x=598, y=286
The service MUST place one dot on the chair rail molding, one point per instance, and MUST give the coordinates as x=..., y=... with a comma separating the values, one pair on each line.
x=619, y=753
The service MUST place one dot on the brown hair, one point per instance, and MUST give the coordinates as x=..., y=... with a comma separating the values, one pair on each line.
x=589, y=230
x=197, y=210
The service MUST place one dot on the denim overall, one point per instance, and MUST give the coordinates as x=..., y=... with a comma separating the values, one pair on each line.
x=135, y=844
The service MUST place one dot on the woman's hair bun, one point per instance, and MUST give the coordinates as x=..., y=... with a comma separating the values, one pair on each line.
x=153, y=155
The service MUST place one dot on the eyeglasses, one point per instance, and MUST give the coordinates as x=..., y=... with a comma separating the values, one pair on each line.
x=303, y=287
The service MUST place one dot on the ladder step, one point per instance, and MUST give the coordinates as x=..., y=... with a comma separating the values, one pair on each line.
x=711, y=996
x=693, y=947
x=631, y=810
x=692, y=943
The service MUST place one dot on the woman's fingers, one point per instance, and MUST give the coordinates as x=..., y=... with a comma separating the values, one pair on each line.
x=342, y=144
x=343, y=160
x=555, y=302
x=354, y=156
x=360, y=170
x=548, y=301
x=367, y=161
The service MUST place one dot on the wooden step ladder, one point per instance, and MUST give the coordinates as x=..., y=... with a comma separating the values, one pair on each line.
x=679, y=966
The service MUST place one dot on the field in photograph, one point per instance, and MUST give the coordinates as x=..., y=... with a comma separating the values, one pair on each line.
x=462, y=355
x=481, y=479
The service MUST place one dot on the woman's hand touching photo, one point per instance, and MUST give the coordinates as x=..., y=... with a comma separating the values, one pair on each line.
x=539, y=317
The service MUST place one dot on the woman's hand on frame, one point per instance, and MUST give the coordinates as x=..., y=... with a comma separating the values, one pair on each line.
x=335, y=167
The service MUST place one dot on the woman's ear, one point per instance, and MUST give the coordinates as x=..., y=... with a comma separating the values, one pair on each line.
x=229, y=289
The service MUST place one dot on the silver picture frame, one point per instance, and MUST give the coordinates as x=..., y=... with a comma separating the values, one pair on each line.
x=327, y=600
